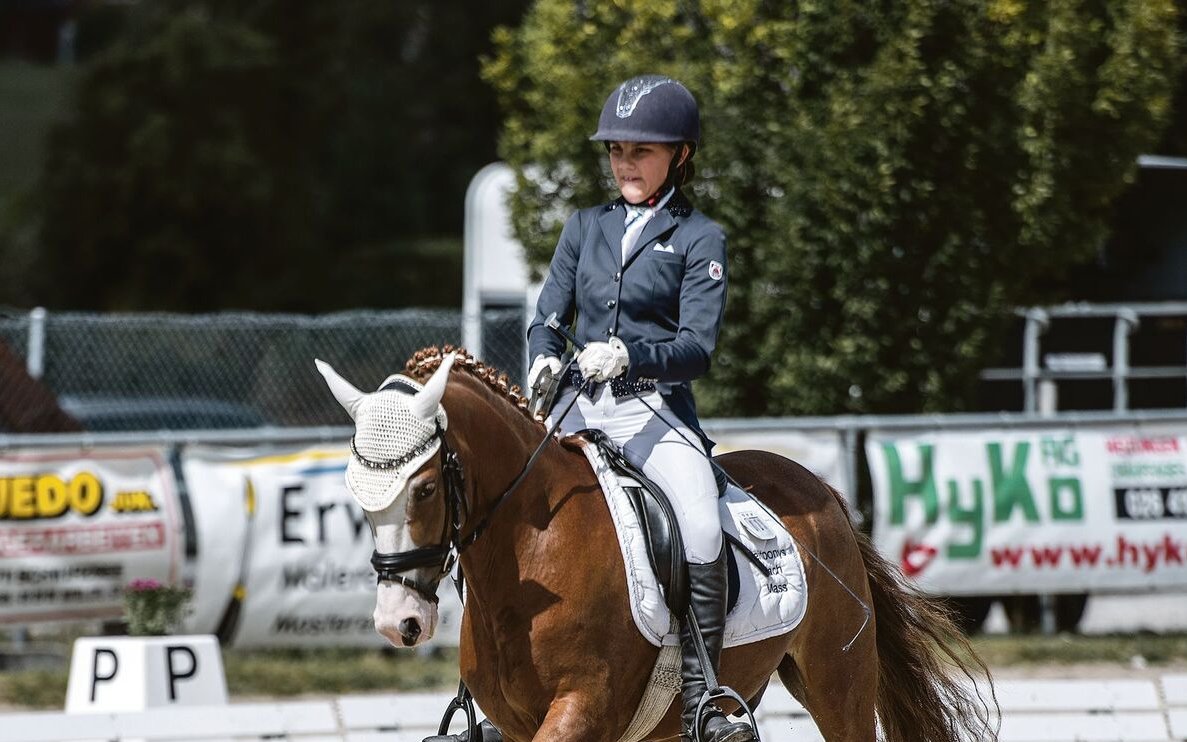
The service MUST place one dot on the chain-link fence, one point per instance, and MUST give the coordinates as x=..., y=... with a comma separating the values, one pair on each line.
x=169, y=371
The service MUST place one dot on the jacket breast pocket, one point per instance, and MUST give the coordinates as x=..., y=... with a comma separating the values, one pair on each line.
x=667, y=273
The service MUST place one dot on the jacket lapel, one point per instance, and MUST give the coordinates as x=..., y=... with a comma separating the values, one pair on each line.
x=660, y=224
x=613, y=225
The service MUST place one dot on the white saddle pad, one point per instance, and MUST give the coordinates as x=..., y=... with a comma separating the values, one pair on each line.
x=766, y=606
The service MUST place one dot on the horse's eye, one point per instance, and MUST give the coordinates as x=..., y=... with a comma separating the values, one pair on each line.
x=426, y=490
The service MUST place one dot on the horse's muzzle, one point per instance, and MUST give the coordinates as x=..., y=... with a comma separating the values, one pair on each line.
x=410, y=631
x=403, y=617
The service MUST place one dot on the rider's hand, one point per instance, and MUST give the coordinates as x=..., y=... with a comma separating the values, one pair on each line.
x=552, y=363
x=601, y=361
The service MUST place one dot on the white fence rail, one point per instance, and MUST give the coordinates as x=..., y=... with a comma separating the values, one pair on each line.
x=1064, y=710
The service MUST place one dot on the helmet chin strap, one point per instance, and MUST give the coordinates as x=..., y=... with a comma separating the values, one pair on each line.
x=654, y=198
x=669, y=182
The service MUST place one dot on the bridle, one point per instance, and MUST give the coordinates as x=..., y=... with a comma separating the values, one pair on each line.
x=451, y=545
x=445, y=552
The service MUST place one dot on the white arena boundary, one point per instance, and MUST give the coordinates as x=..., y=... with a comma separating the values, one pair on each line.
x=1096, y=710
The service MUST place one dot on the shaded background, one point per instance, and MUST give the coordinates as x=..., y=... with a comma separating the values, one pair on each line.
x=200, y=156
x=896, y=178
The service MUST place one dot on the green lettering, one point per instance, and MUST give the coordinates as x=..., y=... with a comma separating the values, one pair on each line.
x=1011, y=490
x=1060, y=451
x=969, y=516
x=1069, y=506
x=901, y=488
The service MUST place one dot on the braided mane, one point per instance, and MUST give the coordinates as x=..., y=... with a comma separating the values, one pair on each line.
x=425, y=361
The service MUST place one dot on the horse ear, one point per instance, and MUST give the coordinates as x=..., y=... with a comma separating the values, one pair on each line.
x=343, y=390
x=424, y=404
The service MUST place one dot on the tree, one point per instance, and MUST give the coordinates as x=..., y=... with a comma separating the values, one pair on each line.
x=894, y=177
x=264, y=155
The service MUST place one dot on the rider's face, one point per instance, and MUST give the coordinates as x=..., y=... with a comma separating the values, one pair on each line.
x=640, y=168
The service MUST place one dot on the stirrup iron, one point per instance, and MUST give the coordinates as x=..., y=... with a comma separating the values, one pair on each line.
x=713, y=689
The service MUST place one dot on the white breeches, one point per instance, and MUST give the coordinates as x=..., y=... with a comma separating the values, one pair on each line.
x=677, y=464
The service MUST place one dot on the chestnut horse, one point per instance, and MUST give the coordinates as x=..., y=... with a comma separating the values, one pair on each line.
x=549, y=647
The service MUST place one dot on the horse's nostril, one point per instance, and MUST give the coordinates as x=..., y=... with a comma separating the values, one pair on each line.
x=410, y=630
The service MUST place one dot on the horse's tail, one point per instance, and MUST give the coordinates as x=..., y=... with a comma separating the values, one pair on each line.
x=928, y=671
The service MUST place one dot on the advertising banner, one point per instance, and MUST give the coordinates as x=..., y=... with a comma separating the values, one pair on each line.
x=284, y=551
x=1016, y=511
x=76, y=526
x=821, y=452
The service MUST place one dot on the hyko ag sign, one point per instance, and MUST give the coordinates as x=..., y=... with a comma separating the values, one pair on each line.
x=985, y=512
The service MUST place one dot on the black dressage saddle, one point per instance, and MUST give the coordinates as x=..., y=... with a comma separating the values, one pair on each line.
x=661, y=532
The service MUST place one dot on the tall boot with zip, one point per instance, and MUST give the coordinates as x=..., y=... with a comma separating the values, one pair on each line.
x=707, y=595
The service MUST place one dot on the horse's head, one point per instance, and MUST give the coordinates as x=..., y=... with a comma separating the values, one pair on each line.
x=396, y=477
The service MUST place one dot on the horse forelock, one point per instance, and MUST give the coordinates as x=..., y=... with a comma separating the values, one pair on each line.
x=425, y=361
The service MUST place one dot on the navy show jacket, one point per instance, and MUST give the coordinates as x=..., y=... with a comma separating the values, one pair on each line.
x=665, y=303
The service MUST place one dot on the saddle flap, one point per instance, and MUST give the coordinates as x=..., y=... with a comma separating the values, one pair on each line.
x=665, y=547
x=767, y=588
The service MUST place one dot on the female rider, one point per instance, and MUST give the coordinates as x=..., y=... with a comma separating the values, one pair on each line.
x=645, y=277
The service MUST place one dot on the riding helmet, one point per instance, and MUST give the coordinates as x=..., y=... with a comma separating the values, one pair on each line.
x=650, y=108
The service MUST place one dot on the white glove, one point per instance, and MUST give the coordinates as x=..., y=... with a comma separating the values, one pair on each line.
x=602, y=361
x=552, y=363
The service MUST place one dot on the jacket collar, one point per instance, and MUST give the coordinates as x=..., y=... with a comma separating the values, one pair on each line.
x=613, y=223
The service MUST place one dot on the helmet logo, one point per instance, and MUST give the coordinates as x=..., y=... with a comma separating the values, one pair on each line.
x=632, y=91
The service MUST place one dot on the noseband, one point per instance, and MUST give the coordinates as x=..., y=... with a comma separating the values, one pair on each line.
x=444, y=553
x=452, y=543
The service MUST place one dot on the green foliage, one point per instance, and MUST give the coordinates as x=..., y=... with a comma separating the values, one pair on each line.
x=327, y=670
x=153, y=609
x=263, y=155
x=271, y=673
x=1063, y=650
x=894, y=177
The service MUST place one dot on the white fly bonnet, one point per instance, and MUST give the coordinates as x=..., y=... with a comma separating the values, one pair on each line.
x=396, y=431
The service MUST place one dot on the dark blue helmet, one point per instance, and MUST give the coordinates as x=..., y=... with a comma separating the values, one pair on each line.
x=650, y=108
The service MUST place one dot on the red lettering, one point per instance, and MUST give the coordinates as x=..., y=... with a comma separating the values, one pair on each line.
x=1172, y=550
x=1130, y=445
x=1084, y=556
x=1127, y=553
x=1152, y=552
x=1006, y=556
x=1146, y=556
x=1046, y=555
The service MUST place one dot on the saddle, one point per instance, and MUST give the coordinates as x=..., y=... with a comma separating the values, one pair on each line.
x=661, y=531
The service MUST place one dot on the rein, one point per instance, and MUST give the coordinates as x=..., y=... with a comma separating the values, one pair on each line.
x=446, y=552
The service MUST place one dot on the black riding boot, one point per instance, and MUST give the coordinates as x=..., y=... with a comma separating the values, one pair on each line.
x=707, y=593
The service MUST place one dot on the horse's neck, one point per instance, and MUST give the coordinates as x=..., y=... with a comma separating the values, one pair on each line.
x=496, y=441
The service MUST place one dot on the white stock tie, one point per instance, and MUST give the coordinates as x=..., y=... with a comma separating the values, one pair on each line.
x=636, y=218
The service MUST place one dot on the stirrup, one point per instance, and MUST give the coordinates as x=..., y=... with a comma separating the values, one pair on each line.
x=707, y=705
x=487, y=732
x=463, y=702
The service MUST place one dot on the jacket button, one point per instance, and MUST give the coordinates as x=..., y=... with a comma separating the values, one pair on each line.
x=610, y=304
x=617, y=277
x=609, y=333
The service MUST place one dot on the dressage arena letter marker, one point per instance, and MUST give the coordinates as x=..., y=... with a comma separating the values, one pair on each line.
x=96, y=678
x=173, y=675
x=136, y=673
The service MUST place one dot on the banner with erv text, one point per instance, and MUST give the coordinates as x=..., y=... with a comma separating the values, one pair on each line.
x=284, y=551
x=1025, y=511
x=77, y=525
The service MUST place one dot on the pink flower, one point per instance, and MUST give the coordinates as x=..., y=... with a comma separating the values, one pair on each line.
x=142, y=585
